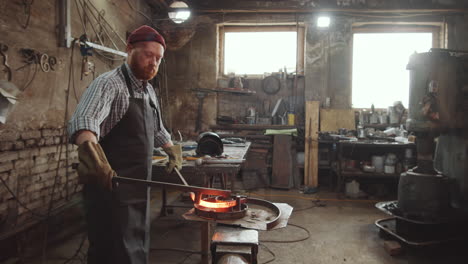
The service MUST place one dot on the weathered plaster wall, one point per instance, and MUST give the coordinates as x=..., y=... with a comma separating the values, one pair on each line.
x=33, y=149
x=193, y=67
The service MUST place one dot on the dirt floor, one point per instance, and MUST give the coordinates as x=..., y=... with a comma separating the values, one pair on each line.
x=332, y=230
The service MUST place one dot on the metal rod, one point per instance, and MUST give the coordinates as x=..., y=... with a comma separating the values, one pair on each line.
x=181, y=177
x=103, y=27
x=202, y=190
x=110, y=27
x=106, y=49
x=83, y=8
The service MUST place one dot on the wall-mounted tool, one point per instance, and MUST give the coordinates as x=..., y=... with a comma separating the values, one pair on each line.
x=44, y=62
x=8, y=91
x=271, y=85
x=3, y=52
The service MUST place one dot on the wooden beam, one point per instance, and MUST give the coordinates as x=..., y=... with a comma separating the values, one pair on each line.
x=330, y=10
x=311, y=144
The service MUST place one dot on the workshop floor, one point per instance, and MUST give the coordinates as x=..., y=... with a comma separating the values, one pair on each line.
x=340, y=232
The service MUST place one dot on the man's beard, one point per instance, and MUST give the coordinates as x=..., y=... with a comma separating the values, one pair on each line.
x=145, y=73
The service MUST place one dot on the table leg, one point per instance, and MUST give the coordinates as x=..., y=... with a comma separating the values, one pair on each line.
x=164, y=203
x=233, y=180
x=205, y=242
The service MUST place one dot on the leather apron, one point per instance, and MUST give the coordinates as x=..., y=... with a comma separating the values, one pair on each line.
x=118, y=220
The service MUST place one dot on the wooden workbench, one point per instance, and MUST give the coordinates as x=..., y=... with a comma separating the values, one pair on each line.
x=199, y=175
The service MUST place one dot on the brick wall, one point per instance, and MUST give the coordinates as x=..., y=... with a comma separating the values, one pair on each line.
x=30, y=162
x=32, y=144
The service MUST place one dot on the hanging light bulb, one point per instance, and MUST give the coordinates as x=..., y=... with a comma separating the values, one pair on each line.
x=179, y=12
x=323, y=22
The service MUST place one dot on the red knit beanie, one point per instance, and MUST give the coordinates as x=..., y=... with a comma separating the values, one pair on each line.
x=146, y=33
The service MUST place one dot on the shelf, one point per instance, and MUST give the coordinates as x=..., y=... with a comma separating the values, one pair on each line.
x=250, y=127
x=224, y=90
x=373, y=144
x=361, y=174
x=234, y=91
x=380, y=126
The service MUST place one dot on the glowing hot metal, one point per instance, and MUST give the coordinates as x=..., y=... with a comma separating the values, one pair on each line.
x=215, y=202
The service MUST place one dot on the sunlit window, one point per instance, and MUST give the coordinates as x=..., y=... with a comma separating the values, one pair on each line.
x=259, y=52
x=379, y=67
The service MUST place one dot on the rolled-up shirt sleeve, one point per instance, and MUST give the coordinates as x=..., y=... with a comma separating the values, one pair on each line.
x=93, y=108
x=161, y=137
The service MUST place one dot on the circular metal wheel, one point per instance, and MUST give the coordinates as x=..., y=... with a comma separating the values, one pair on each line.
x=271, y=85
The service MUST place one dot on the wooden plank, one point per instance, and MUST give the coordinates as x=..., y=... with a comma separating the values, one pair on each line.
x=282, y=167
x=311, y=144
x=334, y=119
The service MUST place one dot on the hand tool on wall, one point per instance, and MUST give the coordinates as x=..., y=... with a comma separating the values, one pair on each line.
x=3, y=52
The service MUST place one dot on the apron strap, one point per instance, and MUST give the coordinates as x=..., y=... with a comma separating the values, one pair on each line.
x=123, y=68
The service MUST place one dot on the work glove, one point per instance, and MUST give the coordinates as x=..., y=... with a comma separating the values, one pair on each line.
x=94, y=167
x=175, y=158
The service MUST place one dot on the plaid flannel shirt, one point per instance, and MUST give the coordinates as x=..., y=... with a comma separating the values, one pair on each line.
x=106, y=101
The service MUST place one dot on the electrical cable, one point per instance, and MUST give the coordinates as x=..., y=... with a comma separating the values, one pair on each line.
x=110, y=27
x=78, y=250
x=269, y=251
x=92, y=26
x=81, y=18
x=313, y=198
x=18, y=201
x=51, y=201
x=32, y=78
x=73, y=74
x=101, y=54
x=290, y=241
x=317, y=203
x=98, y=21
